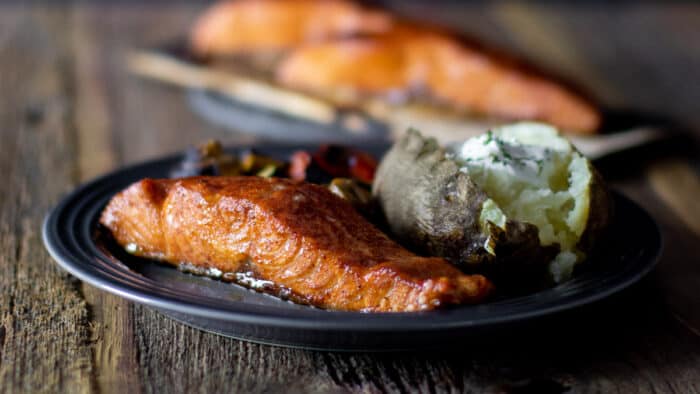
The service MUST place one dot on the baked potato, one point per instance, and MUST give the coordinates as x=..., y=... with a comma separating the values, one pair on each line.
x=519, y=199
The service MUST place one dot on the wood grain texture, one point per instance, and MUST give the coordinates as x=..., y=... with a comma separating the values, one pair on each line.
x=44, y=318
x=70, y=111
x=114, y=353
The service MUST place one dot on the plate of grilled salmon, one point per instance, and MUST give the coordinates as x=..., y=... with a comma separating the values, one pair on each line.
x=332, y=247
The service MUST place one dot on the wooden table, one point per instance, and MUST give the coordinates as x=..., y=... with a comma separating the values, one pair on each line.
x=69, y=111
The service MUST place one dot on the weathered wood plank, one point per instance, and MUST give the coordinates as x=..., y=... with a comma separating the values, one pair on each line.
x=45, y=345
x=149, y=119
x=112, y=324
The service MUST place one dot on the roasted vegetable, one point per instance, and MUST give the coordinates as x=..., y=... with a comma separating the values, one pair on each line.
x=253, y=163
x=321, y=167
x=208, y=158
x=332, y=161
x=357, y=194
x=340, y=161
x=517, y=200
x=303, y=167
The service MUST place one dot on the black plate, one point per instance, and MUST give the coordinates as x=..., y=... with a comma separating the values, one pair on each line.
x=70, y=236
x=273, y=125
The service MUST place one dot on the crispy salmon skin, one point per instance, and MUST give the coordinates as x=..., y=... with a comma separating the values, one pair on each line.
x=298, y=235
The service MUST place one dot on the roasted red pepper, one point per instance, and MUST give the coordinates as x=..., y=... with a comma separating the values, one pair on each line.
x=340, y=161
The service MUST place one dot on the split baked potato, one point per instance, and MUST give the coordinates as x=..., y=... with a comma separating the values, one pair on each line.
x=517, y=200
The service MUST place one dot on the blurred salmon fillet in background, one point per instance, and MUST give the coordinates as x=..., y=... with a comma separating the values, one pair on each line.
x=339, y=49
x=267, y=25
x=420, y=60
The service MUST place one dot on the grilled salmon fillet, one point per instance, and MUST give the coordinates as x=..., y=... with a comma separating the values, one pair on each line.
x=300, y=236
x=414, y=59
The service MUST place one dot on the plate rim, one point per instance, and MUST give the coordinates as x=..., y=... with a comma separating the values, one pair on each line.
x=215, y=107
x=337, y=320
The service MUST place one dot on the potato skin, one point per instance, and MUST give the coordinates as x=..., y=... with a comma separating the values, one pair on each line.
x=428, y=203
x=434, y=208
x=600, y=214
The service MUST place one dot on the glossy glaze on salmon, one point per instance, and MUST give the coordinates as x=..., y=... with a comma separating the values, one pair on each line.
x=299, y=236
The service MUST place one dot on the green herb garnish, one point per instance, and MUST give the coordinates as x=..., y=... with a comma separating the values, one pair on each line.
x=489, y=137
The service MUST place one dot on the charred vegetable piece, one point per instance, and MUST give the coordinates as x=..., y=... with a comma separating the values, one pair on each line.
x=254, y=163
x=208, y=158
x=267, y=171
x=303, y=167
x=350, y=190
x=362, y=166
x=345, y=162
x=298, y=163
x=354, y=192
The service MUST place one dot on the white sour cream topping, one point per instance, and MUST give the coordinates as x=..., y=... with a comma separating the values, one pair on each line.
x=513, y=160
